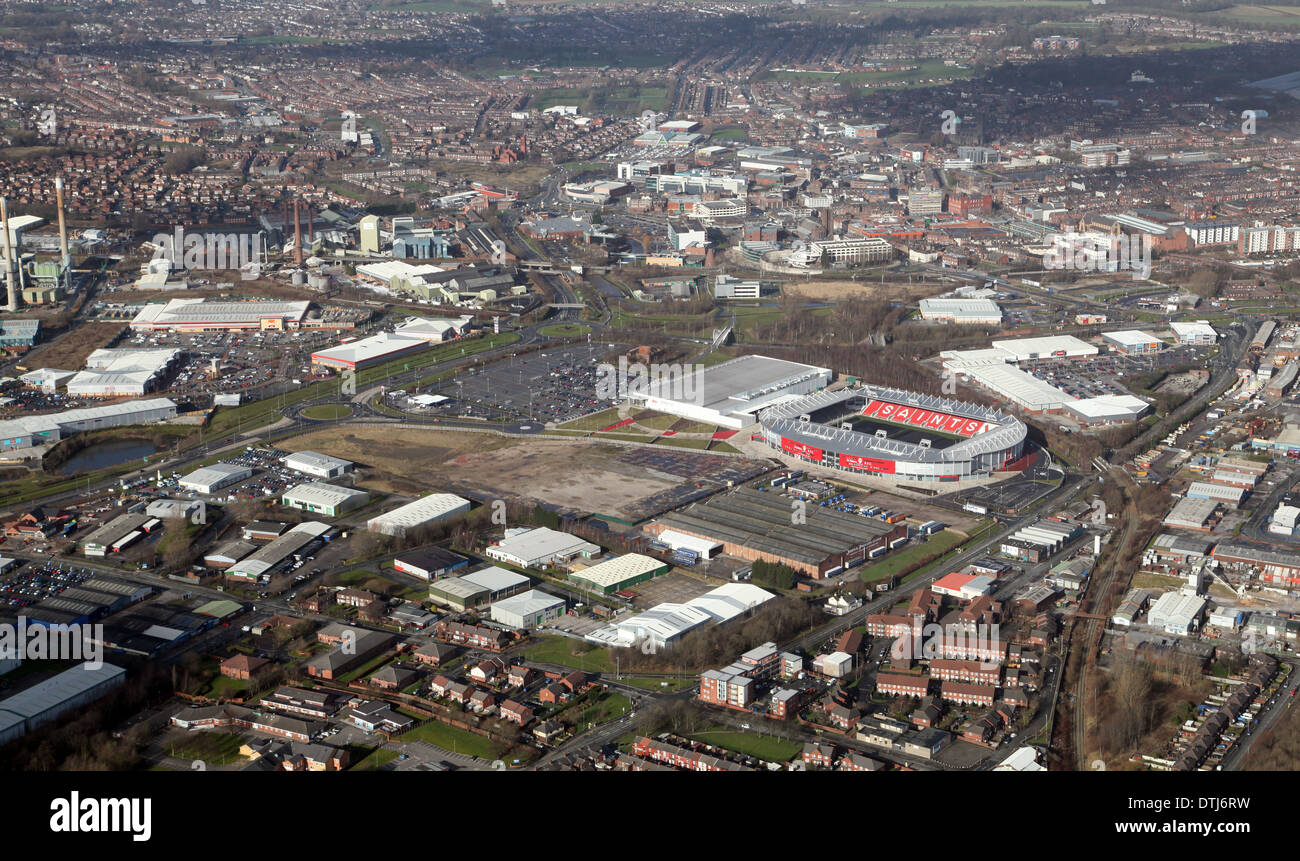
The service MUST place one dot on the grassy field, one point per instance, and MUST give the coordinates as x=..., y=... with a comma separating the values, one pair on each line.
x=766, y=748
x=570, y=653
x=905, y=560
x=375, y=760
x=676, y=442
x=455, y=740
x=213, y=748
x=564, y=330
x=595, y=421
x=328, y=411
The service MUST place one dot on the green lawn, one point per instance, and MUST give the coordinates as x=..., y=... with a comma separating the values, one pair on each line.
x=213, y=748
x=766, y=748
x=220, y=686
x=456, y=740
x=564, y=330
x=610, y=707
x=903, y=561
x=570, y=653
x=677, y=442
x=595, y=421
x=328, y=411
x=653, y=684
x=375, y=760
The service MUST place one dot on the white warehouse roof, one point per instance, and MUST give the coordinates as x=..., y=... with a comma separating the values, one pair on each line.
x=322, y=495
x=427, y=509
x=314, y=461
x=1024, y=349
x=494, y=578
x=614, y=571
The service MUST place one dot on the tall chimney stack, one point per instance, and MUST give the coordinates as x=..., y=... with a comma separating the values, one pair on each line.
x=12, y=304
x=297, y=234
x=65, y=257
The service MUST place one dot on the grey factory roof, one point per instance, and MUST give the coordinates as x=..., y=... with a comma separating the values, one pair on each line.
x=761, y=521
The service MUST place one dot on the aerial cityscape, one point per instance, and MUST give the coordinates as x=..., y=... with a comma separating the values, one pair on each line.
x=432, y=386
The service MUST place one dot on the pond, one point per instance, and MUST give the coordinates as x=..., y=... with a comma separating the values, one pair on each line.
x=105, y=454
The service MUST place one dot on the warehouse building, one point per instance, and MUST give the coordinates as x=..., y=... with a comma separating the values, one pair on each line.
x=963, y=312
x=1199, y=333
x=429, y=563
x=753, y=525
x=210, y=479
x=1015, y=385
x=1052, y=346
x=29, y=431
x=434, y=508
x=104, y=539
x=1225, y=493
x=535, y=548
x=663, y=625
x=265, y=560
x=701, y=547
x=1131, y=342
x=1195, y=514
x=730, y=394
x=1279, y=568
x=355, y=355
x=1107, y=409
x=202, y=315
x=477, y=588
x=619, y=573
x=529, y=609
x=329, y=500
x=46, y=702
x=1039, y=540
x=1176, y=613
x=122, y=373
x=317, y=465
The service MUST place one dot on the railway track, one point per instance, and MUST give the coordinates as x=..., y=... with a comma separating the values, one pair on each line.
x=1096, y=616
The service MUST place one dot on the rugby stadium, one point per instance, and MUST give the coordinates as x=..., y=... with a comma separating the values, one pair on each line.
x=887, y=432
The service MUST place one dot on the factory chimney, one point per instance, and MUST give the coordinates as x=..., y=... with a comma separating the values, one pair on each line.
x=10, y=263
x=64, y=257
x=297, y=234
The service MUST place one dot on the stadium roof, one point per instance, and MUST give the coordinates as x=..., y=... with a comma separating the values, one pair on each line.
x=784, y=418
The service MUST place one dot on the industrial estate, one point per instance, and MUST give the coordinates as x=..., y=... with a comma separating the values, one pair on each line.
x=523, y=386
